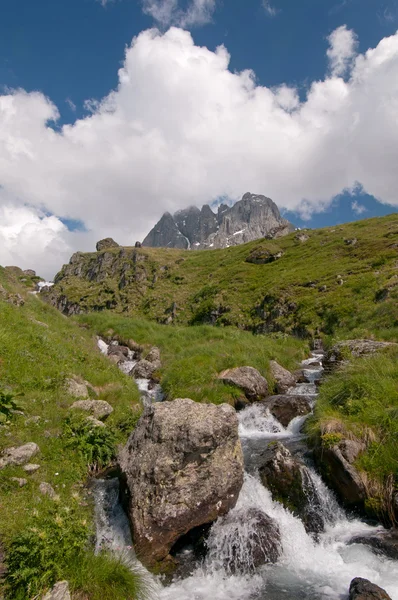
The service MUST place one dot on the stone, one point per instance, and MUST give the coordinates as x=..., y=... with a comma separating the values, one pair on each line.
x=134, y=346
x=286, y=407
x=116, y=349
x=290, y=483
x=29, y=273
x=183, y=465
x=383, y=542
x=301, y=237
x=117, y=358
x=76, y=388
x=363, y=589
x=60, y=591
x=351, y=241
x=18, y=456
x=31, y=468
x=283, y=378
x=153, y=355
x=47, y=490
x=143, y=369
x=340, y=474
x=99, y=409
x=356, y=348
x=263, y=256
x=20, y=481
x=95, y=422
x=138, y=245
x=243, y=552
x=249, y=380
x=105, y=244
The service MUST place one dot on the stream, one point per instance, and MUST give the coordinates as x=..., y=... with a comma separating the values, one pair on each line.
x=306, y=570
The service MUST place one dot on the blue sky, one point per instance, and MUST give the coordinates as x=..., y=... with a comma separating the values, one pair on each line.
x=70, y=53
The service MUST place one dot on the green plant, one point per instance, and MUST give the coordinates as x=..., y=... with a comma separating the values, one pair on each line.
x=8, y=406
x=97, y=445
x=331, y=439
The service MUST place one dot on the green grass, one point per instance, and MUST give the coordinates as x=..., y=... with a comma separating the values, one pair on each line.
x=193, y=356
x=219, y=286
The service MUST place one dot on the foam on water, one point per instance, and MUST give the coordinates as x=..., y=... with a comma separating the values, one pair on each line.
x=256, y=421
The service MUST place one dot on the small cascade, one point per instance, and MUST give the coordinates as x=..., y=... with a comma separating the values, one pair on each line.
x=256, y=421
x=112, y=526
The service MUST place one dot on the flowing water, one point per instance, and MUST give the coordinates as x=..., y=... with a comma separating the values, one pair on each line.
x=308, y=569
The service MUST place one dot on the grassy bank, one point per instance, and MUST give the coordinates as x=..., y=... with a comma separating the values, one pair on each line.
x=46, y=540
x=193, y=356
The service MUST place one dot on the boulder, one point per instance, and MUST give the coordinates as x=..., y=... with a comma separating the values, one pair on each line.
x=252, y=539
x=143, y=369
x=362, y=589
x=285, y=407
x=335, y=464
x=105, y=244
x=343, y=350
x=290, y=483
x=76, y=388
x=183, y=465
x=283, y=378
x=20, y=481
x=99, y=409
x=18, y=456
x=153, y=355
x=384, y=542
x=249, y=380
x=138, y=245
x=60, y=591
x=47, y=490
x=116, y=349
x=31, y=468
x=29, y=273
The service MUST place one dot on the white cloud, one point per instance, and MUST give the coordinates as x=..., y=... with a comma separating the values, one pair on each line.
x=71, y=104
x=358, y=208
x=343, y=44
x=168, y=12
x=269, y=9
x=182, y=129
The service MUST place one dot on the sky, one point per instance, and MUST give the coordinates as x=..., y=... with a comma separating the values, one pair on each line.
x=114, y=111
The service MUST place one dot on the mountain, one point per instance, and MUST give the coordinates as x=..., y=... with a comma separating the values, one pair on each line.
x=249, y=219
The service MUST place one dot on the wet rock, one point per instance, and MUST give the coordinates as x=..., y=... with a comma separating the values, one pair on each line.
x=117, y=358
x=253, y=540
x=116, y=349
x=384, y=542
x=105, y=244
x=249, y=380
x=283, y=378
x=76, y=387
x=342, y=351
x=340, y=474
x=143, y=369
x=18, y=456
x=47, y=490
x=60, y=591
x=153, y=355
x=289, y=482
x=31, y=468
x=362, y=589
x=20, y=481
x=285, y=407
x=134, y=346
x=184, y=468
x=99, y=409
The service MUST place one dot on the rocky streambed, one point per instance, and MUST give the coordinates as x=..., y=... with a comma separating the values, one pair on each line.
x=275, y=531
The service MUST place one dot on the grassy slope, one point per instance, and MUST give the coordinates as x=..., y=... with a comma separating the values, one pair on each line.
x=198, y=282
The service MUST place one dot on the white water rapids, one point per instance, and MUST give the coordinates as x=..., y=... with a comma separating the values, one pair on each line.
x=306, y=570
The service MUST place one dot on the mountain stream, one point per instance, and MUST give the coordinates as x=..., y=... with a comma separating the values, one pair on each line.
x=306, y=570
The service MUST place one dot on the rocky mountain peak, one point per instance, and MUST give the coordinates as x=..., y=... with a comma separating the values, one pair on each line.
x=253, y=217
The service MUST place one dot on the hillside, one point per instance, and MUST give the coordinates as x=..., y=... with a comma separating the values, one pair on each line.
x=337, y=279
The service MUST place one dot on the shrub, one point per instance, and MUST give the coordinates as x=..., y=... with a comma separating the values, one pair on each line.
x=96, y=445
x=331, y=439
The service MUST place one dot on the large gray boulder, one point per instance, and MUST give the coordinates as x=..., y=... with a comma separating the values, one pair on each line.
x=362, y=589
x=18, y=456
x=144, y=369
x=286, y=407
x=183, y=466
x=105, y=244
x=284, y=379
x=99, y=409
x=290, y=483
x=249, y=380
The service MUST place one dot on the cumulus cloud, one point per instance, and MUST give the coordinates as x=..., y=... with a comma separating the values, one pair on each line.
x=341, y=53
x=182, y=129
x=168, y=12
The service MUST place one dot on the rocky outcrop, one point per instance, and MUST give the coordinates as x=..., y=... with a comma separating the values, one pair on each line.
x=287, y=407
x=99, y=409
x=264, y=255
x=249, y=380
x=76, y=387
x=143, y=369
x=384, y=542
x=289, y=482
x=183, y=465
x=342, y=351
x=362, y=589
x=106, y=244
x=251, y=218
x=283, y=378
x=60, y=591
x=18, y=456
x=336, y=465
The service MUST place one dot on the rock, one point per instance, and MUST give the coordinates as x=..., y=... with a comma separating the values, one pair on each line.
x=117, y=358
x=143, y=369
x=95, y=422
x=252, y=539
x=341, y=351
x=18, y=456
x=249, y=380
x=340, y=474
x=31, y=468
x=29, y=273
x=35, y=420
x=60, y=591
x=77, y=388
x=105, y=244
x=289, y=482
x=384, y=542
x=20, y=481
x=99, y=409
x=134, y=346
x=138, y=245
x=116, y=349
x=286, y=407
x=153, y=356
x=301, y=237
x=362, y=589
x=263, y=255
x=47, y=490
x=183, y=465
x=350, y=242
x=283, y=378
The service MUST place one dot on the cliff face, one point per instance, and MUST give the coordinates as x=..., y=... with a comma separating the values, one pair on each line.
x=251, y=218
